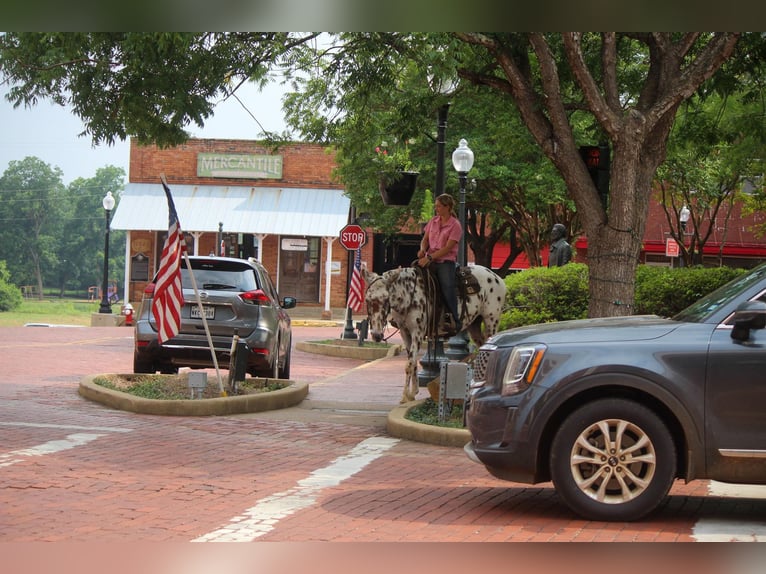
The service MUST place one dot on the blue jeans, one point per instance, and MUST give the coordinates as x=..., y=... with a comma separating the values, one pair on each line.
x=445, y=272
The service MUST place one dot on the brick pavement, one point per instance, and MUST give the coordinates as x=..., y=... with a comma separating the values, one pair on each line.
x=116, y=476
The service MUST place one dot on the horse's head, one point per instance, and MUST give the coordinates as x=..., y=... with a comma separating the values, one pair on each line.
x=377, y=300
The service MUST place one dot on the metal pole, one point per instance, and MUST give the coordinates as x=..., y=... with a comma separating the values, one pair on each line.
x=461, y=214
x=105, y=306
x=441, y=137
x=434, y=355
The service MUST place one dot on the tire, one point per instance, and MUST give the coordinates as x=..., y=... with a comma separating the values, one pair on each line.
x=284, y=372
x=640, y=469
x=142, y=366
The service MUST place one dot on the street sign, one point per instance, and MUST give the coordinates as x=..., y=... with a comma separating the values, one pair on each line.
x=352, y=237
x=671, y=247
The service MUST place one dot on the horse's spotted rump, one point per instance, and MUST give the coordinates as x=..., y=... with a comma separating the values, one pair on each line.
x=399, y=296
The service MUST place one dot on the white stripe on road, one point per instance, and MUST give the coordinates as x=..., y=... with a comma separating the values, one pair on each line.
x=264, y=516
x=734, y=530
x=65, y=427
x=50, y=447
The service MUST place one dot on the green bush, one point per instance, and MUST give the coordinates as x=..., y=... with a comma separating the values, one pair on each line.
x=10, y=295
x=665, y=291
x=542, y=295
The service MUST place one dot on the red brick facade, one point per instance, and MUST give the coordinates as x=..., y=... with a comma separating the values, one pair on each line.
x=303, y=166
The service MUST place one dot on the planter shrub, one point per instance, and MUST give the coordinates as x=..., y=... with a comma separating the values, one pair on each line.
x=542, y=295
x=665, y=291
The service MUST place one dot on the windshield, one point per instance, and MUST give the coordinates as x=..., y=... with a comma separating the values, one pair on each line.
x=698, y=312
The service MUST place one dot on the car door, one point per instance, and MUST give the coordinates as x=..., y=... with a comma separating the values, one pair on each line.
x=735, y=407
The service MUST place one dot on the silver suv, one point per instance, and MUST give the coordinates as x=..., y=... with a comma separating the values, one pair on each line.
x=237, y=296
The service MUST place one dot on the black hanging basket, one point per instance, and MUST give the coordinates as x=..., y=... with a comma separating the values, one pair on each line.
x=399, y=192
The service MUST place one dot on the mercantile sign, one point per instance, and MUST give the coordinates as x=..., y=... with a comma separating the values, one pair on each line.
x=246, y=166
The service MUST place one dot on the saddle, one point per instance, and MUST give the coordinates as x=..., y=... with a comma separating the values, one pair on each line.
x=466, y=285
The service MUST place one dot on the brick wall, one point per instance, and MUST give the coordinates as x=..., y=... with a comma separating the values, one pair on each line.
x=304, y=165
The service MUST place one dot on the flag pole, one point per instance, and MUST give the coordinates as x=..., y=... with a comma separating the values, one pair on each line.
x=201, y=312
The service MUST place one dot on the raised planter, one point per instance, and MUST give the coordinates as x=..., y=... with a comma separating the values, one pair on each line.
x=349, y=349
x=279, y=399
x=399, y=191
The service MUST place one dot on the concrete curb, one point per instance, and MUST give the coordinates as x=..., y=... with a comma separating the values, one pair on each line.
x=348, y=351
x=398, y=426
x=279, y=399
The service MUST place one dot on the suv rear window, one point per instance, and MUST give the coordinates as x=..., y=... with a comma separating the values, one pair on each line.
x=220, y=276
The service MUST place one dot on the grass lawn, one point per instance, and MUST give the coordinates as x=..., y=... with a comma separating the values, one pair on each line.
x=53, y=311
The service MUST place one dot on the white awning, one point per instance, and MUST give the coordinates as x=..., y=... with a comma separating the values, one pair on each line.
x=268, y=210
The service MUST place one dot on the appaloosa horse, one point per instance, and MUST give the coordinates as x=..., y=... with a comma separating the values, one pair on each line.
x=400, y=295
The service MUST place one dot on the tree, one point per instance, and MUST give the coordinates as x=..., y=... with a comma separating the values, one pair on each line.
x=392, y=90
x=625, y=88
x=631, y=85
x=30, y=210
x=80, y=253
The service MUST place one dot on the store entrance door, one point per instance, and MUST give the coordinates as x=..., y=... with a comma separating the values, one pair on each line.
x=299, y=268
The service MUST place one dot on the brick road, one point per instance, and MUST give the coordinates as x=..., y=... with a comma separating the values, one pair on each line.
x=75, y=471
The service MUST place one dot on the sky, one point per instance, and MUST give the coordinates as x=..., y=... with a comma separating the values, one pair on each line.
x=50, y=132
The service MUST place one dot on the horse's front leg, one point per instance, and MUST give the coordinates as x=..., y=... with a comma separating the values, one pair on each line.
x=410, y=380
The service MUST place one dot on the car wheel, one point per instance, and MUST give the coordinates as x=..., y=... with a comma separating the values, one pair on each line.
x=284, y=372
x=613, y=459
x=142, y=365
x=168, y=370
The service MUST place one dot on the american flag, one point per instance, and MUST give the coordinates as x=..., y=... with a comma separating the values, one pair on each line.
x=168, y=294
x=356, y=288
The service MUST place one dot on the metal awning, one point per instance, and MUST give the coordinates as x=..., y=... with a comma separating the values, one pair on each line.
x=269, y=210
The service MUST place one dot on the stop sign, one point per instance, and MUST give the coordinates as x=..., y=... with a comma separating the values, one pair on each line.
x=352, y=237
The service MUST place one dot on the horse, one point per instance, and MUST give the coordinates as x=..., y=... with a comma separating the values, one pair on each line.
x=400, y=295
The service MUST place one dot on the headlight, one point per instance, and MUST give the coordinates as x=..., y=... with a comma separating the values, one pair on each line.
x=521, y=368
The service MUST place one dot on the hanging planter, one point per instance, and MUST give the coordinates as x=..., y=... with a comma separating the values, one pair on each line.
x=399, y=191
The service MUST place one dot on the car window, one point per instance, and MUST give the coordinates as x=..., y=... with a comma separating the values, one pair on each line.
x=699, y=311
x=242, y=279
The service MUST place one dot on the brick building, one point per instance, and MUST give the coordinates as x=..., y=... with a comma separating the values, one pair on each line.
x=244, y=199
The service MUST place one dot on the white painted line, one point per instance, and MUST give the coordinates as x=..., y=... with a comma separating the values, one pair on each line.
x=64, y=427
x=50, y=447
x=734, y=530
x=264, y=516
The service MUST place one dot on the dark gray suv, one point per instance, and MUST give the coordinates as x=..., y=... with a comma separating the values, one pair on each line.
x=237, y=296
x=613, y=410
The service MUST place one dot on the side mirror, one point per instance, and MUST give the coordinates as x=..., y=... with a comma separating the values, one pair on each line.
x=749, y=315
x=289, y=302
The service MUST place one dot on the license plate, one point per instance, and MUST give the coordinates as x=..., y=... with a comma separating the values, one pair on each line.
x=209, y=312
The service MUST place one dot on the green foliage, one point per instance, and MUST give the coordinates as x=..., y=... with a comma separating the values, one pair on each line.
x=665, y=291
x=10, y=295
x=427, y=413
x=53, y=236
x=542, y=295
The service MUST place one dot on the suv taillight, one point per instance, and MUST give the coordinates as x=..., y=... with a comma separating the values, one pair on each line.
x=149, y=290
x=256, y=297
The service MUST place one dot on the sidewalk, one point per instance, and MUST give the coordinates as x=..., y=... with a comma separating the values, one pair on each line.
x=305, y=314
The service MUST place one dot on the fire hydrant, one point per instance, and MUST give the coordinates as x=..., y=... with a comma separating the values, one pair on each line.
x=127, y=311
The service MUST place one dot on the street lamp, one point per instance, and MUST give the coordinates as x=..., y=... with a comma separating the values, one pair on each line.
x=462, y=160
x=684, y=217
x=108, y=203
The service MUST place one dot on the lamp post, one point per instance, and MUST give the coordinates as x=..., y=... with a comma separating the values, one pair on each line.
x=108, y=203
x=683, y=216
x=434, y=355
x=462, y=160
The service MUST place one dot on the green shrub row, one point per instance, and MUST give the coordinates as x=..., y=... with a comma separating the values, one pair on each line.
x=542, y=295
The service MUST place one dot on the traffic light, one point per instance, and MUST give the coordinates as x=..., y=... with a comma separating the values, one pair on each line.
x=596, y=159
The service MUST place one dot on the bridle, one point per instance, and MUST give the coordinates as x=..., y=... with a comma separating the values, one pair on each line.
x=386, y=308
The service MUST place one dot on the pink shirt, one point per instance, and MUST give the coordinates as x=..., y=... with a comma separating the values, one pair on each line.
x=439, y=233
